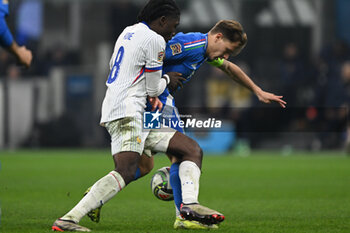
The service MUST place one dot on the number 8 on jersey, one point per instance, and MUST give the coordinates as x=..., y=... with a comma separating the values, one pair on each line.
x=115, y=71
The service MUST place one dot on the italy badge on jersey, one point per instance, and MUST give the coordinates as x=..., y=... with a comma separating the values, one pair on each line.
x=161, y=56
x=176, y=48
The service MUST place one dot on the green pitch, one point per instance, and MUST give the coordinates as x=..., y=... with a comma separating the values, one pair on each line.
x=261, y=193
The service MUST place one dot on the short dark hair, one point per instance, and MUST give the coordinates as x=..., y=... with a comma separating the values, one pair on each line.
x=231, y=30
x=157, y=8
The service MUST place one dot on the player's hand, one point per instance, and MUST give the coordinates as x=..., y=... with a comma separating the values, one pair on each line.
x=267, y=98
x=176, y=80
x=24, y=56
x=155, y=103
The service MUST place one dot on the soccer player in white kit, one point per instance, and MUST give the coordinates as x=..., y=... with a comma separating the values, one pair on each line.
x=136, y=68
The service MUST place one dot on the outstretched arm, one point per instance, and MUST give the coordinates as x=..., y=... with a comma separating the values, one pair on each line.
x=238, y=75
x=23, y=55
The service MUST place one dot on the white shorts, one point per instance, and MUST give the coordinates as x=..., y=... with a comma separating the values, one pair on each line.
x=127, y=134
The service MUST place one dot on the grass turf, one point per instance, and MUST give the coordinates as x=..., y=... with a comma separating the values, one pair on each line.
x=261, y=193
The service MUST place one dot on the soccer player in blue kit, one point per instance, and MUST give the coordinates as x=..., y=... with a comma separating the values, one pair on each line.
x=185, y=53
x=23, y=55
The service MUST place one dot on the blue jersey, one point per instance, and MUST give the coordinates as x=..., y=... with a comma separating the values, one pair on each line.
x=4, y=8
x=5, y=34
x=184, y=53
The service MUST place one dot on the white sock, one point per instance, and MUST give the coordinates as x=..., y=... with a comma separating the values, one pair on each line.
x=189, y=174
x=101, y=192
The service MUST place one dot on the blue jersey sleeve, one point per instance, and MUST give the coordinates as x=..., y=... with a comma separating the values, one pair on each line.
x=188, y=47
x=185, y=53
x=6, y=38
x=4, y=8
x=174, y=50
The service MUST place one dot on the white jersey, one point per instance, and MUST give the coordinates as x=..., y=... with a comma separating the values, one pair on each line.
x=137, y=50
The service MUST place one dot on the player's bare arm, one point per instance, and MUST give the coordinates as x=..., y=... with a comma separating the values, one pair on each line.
x=238, y=75
x=23, y=55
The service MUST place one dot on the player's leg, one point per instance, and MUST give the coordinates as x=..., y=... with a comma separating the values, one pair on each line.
x=175, y=183
x=190, y=154
x=145, y=166
x=126, y=149
x=180, y=222
x=102, y=191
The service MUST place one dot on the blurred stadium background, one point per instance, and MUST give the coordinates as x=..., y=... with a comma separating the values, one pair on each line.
x=296, y=48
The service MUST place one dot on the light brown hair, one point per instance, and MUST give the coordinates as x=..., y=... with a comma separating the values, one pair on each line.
x=231, y=30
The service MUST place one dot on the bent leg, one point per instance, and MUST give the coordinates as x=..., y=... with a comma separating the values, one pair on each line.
x=106, y=187
x=188, y=152
x=185, y=148
x=126, y=165
x=126, y=149
x=145, y=166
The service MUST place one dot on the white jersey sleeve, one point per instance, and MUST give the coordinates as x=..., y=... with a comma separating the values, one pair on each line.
x=155, y=51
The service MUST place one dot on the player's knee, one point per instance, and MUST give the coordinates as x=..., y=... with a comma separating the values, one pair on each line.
x=128, y=174
x=195, y=152
x=126, y=165
x=145, y=165
x=146, y=168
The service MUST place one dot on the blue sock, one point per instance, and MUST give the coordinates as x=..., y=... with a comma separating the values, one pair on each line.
x=176, y=184
x=137, y=174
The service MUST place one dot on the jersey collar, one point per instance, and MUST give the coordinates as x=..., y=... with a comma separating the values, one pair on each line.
x=144, y=22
